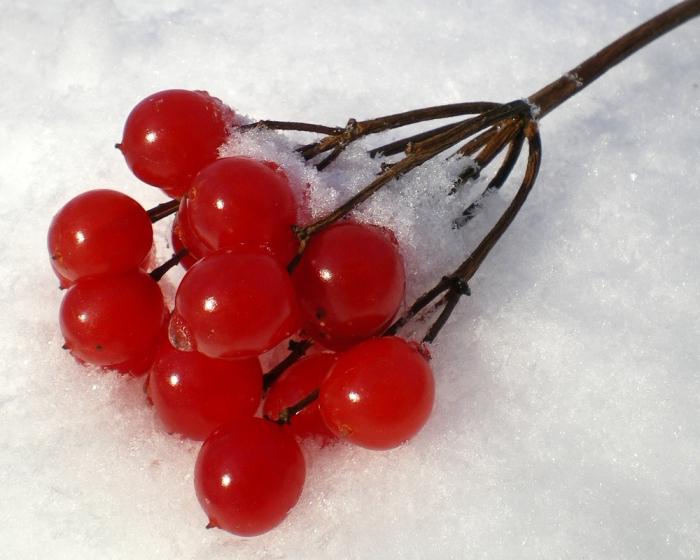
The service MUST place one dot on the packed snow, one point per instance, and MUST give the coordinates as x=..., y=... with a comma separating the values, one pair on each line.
x=566, y=422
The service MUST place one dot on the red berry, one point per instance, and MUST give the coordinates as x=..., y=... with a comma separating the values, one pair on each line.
x=194, y=394
x=114, y=320
x=234, y=305
x=297, y=382
x=183, y=237
x=63, y=282
x=171, y=135
x=378, y=394
x=239, y=201
x=176, y=242
x=99, y=232
x=350, y=283
x=248, y=475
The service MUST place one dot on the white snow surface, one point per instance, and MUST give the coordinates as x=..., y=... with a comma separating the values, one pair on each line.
x=566, y=422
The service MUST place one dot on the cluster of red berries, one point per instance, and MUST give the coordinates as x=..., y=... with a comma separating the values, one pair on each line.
x=234, y=231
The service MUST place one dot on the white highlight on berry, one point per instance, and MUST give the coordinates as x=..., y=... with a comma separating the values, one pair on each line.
x=210, y=304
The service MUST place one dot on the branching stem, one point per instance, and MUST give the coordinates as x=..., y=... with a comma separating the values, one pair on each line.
x=493, y=129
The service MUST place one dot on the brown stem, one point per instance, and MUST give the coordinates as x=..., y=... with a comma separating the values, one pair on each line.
x=417, y=154
x=456, y=283
x=497, y=182
x=489, y=146
x=355, y=129
x=286, y=414
x=296, y=350
x=163, y=210
x=158, y=273
x=554, y=94
x=467, y=269
x=288, y=125
x=492, y=129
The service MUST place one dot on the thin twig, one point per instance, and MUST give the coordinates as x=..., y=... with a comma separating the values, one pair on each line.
x=162, y=210
x=495, y=127
x=296, y=350
x=159, y=272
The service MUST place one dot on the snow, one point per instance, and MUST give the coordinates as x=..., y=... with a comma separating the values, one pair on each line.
x=568, y=386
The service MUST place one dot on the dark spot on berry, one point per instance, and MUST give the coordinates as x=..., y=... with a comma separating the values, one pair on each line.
x=320, y=313
x=98, y=347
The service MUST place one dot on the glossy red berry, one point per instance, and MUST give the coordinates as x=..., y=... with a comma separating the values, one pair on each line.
x=300, y=379
x=176, y=243
x=99, y=232
x=171, y=135
x=378, y=394
x=194, y=394
x=239, y=201
x=183, y=238
x=248, y=475
x=350, y=283
x=231, y=305
x=63, y=282
x=114, y=320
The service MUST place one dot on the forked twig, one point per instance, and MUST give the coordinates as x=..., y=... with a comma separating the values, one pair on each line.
x=491, y=129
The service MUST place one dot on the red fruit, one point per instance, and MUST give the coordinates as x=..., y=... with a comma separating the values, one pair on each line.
x=98, y=232
x=233, y=305
x=350, y=282
x=63, y=282
x=378, y=394
x=171, y=135
x=239, y=201
x=183, y=238
x=176, y=242
x=114, y=320
x=297, y=382
x=194, y=394
x=248, y=475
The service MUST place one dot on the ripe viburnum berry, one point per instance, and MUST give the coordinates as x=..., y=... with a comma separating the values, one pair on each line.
x=241, y=202
x=171, y=135
x=248, y=475
x=350, y=283
x=114, y=320
x=234, y=305
x=98, y=232
x=378, y=394
x=194, y=394
x=182, y=236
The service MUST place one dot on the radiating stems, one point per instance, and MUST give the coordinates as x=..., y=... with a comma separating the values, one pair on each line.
x=455, y=284
x=494, y=128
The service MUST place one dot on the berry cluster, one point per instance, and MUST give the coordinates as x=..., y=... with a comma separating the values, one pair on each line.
x=251, y=283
